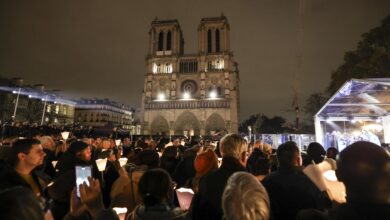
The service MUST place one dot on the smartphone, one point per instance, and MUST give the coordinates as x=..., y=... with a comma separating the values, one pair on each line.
x=82, y=174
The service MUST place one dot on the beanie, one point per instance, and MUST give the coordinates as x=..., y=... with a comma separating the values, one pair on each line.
x=77, y=146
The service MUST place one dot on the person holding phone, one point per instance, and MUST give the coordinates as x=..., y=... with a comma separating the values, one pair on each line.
x=78, y=154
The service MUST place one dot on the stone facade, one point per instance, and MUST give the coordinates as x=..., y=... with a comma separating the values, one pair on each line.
x=100, y=112
x=33, y=104
x=190, y=94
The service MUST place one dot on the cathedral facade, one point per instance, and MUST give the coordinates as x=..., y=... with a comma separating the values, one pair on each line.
x=190, y=94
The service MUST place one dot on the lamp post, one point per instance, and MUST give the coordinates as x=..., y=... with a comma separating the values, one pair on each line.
x=44, y=109
x=16, y=104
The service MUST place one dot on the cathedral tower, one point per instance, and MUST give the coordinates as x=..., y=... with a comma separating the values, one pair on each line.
x=190, y=94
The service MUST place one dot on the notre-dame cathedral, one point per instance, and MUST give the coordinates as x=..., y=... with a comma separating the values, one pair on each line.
x=190, y=94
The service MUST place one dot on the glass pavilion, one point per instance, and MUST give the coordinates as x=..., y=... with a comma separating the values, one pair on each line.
x=358, y=111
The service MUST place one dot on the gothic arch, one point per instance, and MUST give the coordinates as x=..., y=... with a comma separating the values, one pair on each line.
x=159, y=126
x=209, y=41
x=160, y=46
x=185, y=122
x=215, y=123
x=169, y=40
x=217, y=41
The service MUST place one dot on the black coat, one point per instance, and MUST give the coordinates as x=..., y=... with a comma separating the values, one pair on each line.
x=207, y=203
x=290, y=191
x=355, y=211
x=360, y=211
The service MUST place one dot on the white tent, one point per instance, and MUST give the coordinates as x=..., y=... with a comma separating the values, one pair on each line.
x=358, y=111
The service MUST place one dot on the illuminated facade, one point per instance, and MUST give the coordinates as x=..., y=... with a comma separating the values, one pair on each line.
x=100, y=112
x=190, y=94
x=33, y=104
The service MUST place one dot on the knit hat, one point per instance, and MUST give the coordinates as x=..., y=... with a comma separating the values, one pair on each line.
x=205, y=162
x=77, y=146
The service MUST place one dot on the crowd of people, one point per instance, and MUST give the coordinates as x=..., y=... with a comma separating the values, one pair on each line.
x=230, y=179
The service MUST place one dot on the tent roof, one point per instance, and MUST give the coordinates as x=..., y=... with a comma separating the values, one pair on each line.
x=359, y=97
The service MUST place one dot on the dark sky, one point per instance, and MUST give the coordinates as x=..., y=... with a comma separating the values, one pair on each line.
x=97, y=48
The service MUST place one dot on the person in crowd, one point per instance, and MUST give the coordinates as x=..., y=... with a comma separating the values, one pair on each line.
x=257, y=153
x=19, y=181
x=48, y=145
x=170, y=159
x=267, y=149
x=129, y=153
x=261, y=168
x=126, y=142
x=110, y=173
x=185, y=169
x=90, y=205
x=25, y=156
x=124, y=192
x=78, y=154
x=205, y=162
x=364, y=168
x=103, y=145
x=289, y=189
x=156, y=191
x=315, y=153
x=177, y=143
x=207, y=202
x=20, y=203
x=332, y=153
x=60, y=148
x=244, y=189
x=5, y=151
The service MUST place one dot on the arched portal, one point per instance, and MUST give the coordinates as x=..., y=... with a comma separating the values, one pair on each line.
x=187, y=122
x=159, y=126
x=215, y=123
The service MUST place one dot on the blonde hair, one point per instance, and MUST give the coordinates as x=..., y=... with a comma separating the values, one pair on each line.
x=233, y=145
x=245, y=198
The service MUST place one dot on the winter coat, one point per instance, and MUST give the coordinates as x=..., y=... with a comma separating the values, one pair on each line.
x=160, y=212
x=290, y=191
x=207, y=203
x=124, y=191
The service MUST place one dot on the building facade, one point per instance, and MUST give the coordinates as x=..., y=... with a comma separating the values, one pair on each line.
x=190, y=94
x=33, y=104
x=100, y=112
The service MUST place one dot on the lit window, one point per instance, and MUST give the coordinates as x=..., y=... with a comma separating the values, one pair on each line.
x=55, y=120
x=217, y=64
x=46, y=119
x=57, y=109
x=168, y=68
x=65, y=110
x=162, y=68
x=48, y=108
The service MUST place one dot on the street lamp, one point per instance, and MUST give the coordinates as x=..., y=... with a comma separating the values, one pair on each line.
x=16, y=104
x=44, y=109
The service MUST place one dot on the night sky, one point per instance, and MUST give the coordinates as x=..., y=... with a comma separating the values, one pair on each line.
x=97, y=48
